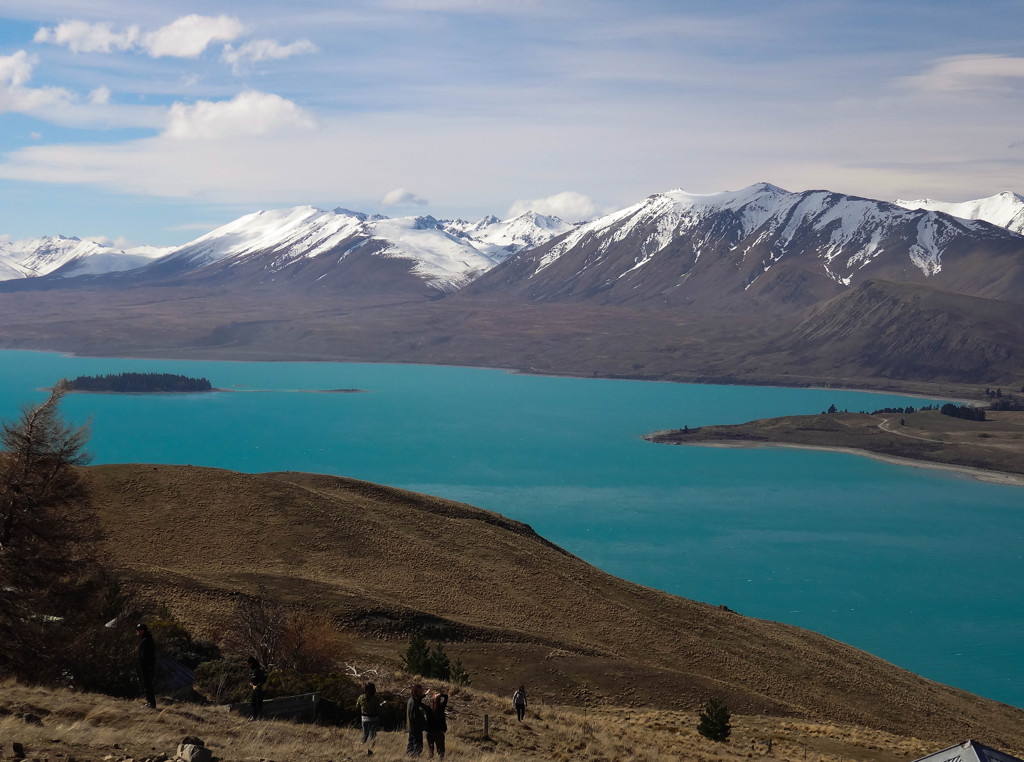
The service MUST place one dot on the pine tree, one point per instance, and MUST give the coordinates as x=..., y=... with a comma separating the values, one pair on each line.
x=440, y=667
x=416, y=660
x=714, y=722
x=459, y=675
x=47, y=530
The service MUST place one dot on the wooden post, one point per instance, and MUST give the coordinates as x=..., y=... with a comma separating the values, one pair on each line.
x=487, y=726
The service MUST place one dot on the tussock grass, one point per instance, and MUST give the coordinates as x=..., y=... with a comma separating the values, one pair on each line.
x=90, y=726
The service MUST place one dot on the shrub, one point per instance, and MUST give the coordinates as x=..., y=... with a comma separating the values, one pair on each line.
x=224, y=681
x=459, y=675
x=420, y=659
x=714, y=722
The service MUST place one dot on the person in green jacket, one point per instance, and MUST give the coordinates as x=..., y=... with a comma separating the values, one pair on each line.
x=369, y=707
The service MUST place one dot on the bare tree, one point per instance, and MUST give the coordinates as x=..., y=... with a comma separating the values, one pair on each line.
x=258, y=628
x=283, y=638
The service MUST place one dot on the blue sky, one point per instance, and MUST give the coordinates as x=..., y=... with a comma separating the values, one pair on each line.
x=153, y=122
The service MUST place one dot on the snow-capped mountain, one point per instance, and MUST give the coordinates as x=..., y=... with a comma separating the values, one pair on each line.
x=1004, y=209
x=761, y=246
x=679, y=248
x=502, y=238
x=306, y=244
x=62, y=257
x=300, y=243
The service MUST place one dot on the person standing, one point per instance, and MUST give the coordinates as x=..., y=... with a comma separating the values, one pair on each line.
x=147, y=663
x=519, y=702
x=415, y=720
x=437, y=724
x=369, y=708
x=257, y=678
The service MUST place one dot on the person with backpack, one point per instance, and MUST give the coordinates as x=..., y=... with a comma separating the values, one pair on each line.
x=437, y=723
x=369, y=709
x=519, y=702
x=257, y=677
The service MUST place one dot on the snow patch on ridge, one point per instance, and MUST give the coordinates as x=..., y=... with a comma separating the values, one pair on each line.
x=1005, y=210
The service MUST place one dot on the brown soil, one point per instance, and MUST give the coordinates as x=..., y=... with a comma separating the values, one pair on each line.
x=384, y=563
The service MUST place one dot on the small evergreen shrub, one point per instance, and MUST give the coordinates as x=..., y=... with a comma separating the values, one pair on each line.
x=714, y=722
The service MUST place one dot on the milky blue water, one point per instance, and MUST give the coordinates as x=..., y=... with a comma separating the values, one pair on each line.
x=923, y=568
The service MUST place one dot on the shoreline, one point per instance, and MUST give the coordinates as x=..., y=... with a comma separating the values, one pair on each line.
x=979, y=474
x=858, y=386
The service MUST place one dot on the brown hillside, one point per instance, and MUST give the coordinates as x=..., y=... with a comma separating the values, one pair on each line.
x=384, y=563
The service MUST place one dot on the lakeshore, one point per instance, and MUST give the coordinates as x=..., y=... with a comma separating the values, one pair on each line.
x=991, y=450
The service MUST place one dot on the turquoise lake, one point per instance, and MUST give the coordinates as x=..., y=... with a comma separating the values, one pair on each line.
x=923, y=568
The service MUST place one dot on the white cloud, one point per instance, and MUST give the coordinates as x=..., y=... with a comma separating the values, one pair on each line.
x=986, y=72
x=15, y=72
x=100, y=96
x=568, y=205
x=82, y=37
x=251, y=113
x=186, y=37
x=255, y=51
x=189, y=36
x=402, y=197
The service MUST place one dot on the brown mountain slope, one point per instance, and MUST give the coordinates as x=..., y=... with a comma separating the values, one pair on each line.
x=902, y=331
x=384, y=563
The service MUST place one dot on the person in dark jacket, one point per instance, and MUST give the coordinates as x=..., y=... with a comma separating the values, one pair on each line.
x=415, y=720
x=257, y=677
x=147, y=663
x=437, y=724
x=519, y=702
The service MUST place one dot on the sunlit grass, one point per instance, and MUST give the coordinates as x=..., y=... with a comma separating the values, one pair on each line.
x=89, y=726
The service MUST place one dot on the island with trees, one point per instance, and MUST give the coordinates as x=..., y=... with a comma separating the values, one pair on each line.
x=139, y=383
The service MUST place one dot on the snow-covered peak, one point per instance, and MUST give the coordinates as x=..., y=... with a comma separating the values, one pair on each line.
x=1004, y=209
x=765, y=223
x=67, y=256
x=445, y=260
x=442, y=257
x=506, y=237
x=669, y=212
x=300, y=230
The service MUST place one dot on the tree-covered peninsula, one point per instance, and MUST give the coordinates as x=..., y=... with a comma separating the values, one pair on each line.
x=140, y=382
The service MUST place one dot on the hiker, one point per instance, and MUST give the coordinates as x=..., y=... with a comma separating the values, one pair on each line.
x=519, y=702
x=147, y=663
x=369, y=707
x=437, y=724
x=415, y=720
x=257, y=677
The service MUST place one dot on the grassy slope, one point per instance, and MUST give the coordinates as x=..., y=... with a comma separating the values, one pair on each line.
x=92, y=727
x=514, y=607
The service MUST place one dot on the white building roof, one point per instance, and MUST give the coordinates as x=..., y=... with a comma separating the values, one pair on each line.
x=969, y=751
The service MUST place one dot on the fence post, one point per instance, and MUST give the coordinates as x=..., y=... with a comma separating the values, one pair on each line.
x=487, y=726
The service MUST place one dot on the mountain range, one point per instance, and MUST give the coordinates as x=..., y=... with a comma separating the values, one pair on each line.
x=673, y=248
x=815, y=285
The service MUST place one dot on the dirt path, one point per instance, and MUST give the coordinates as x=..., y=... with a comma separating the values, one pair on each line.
x=884, y=427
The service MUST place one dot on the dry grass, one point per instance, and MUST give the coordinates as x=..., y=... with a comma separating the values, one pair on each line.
x=94, y=727
x=380, y=563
